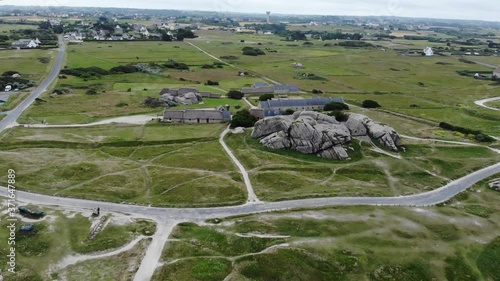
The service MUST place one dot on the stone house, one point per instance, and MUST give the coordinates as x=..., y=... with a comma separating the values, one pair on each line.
x=193, y=116
x=281, y=105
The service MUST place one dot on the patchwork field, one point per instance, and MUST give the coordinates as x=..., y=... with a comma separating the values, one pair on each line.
x=457, y=241
x=162, y=165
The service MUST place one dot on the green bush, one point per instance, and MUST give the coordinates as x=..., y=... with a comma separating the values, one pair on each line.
x=266, y=97
x=91, y=92
x=243, y=118
x=370, y=104
x=338, y=106
x=234, y=94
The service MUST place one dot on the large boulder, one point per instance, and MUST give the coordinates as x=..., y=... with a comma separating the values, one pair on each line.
x=316, y=133
x=265, y=127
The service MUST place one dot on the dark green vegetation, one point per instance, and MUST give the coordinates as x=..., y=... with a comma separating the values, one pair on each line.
x=478, y=135
x=345, y=243
x=244, y=119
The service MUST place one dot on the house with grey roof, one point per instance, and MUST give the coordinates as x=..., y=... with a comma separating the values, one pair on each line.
x=183, y=91
x=260, y=88
x=257, y=91
x=194, y=116
x=279, y=106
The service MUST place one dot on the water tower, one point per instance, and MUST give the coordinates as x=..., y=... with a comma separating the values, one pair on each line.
x=268, y=18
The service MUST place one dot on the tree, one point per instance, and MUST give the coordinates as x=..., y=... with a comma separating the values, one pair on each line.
x=165, y=36
x=45, y=25
x=234, y=94
x=243, y=118
x=338, y=106
x=184, y=33
x=370, y=104
x=265, y=97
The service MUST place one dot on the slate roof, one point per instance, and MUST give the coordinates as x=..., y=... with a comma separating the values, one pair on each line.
x=260, y=84
x=183, y=91
x=197, y=114
x=282, y=87
x=315, y=101
x=260, y=90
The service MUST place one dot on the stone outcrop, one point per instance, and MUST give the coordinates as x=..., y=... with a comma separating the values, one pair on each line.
x=186, y=99
x=360, y=125
x=316, y=133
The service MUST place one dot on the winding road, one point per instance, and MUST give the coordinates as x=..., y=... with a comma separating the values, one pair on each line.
x=10, y=119
x=167, y=218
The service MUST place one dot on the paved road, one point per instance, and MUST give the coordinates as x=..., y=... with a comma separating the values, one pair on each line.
x=12, y=115
x=482, y=103
x=195, y=214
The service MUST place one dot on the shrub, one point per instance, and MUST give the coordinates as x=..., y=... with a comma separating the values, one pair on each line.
x=91, y=92
x=212, y=83
x=478, y=135
x=129, y=90
x=289, y=112
x=124, y=69
x=265, y=97
x=250, y=51
x=234, y=94
x=243, y=118
x=370, y=104
x=338, y=106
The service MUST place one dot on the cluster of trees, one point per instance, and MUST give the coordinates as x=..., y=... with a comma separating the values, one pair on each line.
x=336, y=35
x=337, y=110
x=355, y=44
x=16, y=83
x=266, y=97
x=176, y=65
x=243, y=118
x=212, y=83
x=250, y=51
x=478, y=135
x=95, y=71
x=336, y=106
x=47, y=26
x=180, y=35
x=235, y=94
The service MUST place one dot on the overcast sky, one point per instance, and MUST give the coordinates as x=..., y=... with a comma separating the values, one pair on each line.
x=455, y=9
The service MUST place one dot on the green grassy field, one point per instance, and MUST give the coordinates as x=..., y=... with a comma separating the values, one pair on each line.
x=346, y=243
x=278, y=175
x=495, y=104
x=153, y=164
x=396, y=81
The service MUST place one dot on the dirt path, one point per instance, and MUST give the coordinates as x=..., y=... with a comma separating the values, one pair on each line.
x=252, y=198
x=73, y=259
x=134, y=119
x=153, y=253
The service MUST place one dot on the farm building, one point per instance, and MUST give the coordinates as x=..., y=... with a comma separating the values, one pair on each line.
x=193, y=116
x=25, y=43
x=299, y=105
x=260, y=88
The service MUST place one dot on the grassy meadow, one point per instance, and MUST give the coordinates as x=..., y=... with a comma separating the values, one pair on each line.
x=158, y=164
x=456, y=241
